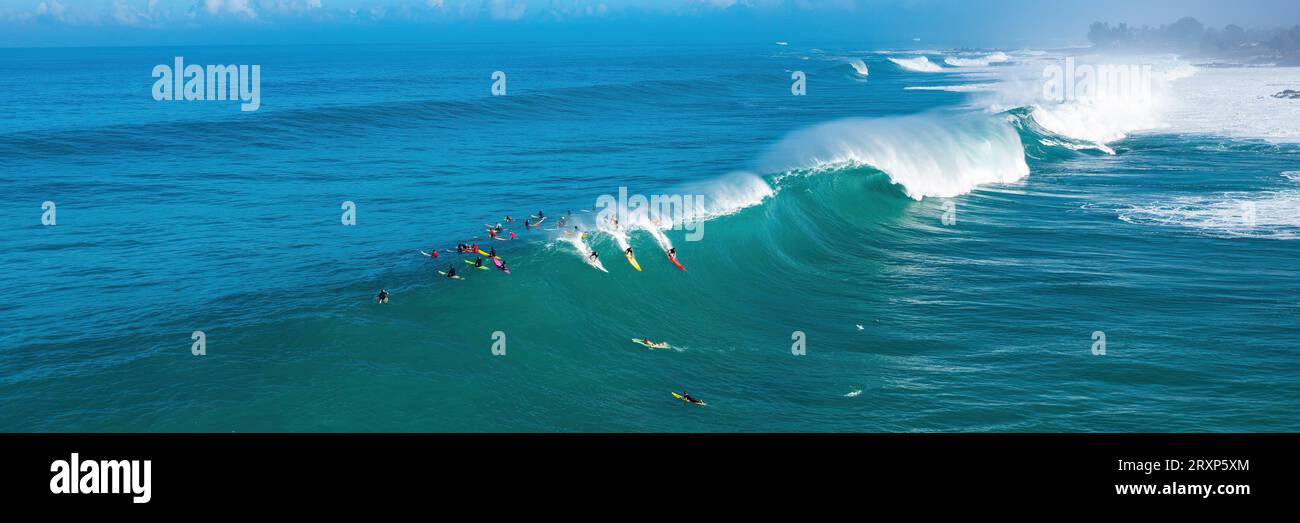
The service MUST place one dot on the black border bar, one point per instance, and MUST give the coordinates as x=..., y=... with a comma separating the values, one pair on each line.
x=250, y=470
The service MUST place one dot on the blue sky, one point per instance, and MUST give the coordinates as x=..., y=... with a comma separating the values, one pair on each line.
x=869, y=22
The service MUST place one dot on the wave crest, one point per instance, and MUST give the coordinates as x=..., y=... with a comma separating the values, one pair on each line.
x=919, y=64
x=928, y=155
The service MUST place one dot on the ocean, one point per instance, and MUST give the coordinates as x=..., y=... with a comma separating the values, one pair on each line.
x=922, y=241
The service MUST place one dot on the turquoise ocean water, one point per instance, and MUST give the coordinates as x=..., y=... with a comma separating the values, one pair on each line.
x=947, y=261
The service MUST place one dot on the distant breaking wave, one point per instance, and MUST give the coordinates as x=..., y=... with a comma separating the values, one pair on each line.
x=982, y=61
x=859, y=66
x=1085, y=121
x=919, y=64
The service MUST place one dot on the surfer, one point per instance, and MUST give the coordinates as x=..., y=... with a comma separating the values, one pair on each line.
x=672, y=251
x=509, y=219
x=503, y=266
x=492, y=233
x=594, y=256
x=383, y=295
x=528, y=224
x=433, y=253
x=687, y=396
x=512, y=235
x=540, y=215
x=460, y=247
x=451, y=272
x=478, y=261
x=493, y=252
x=627, y=252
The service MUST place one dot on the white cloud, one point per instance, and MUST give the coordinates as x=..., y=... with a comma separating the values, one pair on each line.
x=51, y=8
x=126, y=15
x=504, y=10
x=235, y=7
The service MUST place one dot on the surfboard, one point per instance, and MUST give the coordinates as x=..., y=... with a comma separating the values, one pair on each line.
x=649, y=345
x=680, y=397
x=480, y=267
x=427, y=254
x=632, y=260
x=444, y=273
x=482, y=252
x=675, y=262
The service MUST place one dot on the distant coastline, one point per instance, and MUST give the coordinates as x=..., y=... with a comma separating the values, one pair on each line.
x=1230, y=45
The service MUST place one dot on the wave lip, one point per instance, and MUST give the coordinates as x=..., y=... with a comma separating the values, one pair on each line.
x=730, y=194
x=859, y=66
x=926, y=154
x=918, y=64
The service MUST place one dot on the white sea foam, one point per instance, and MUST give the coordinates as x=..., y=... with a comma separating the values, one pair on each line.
x=1102, y=117
x=1237, y=103
x=1233, y=102
x=928, y=154
x=1270, y=214
x=583, y=250
x=964, y=88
